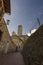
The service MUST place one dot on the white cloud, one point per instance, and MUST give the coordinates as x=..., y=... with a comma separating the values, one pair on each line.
x=29, y=34
x=32, y=31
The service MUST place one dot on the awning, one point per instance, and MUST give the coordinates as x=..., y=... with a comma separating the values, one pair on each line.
x=7, y=6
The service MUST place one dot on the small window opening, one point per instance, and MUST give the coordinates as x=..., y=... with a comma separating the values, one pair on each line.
x=1, y=35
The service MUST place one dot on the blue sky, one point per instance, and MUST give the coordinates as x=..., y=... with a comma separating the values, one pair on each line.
x=25, y=13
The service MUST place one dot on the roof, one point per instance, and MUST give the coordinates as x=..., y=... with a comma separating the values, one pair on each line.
x=7, y=6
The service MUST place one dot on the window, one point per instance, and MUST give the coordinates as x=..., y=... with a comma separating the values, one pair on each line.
x=0, y=35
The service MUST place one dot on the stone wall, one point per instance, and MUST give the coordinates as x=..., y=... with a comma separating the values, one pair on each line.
x=33, y=48
x=5, y=38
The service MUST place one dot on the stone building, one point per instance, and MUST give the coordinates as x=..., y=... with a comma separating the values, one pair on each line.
x=20, y=30
x=33, y=48
x=19, y=39
x=6, y=43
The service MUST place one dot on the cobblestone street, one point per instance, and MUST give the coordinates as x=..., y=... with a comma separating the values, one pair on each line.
x=12, y=59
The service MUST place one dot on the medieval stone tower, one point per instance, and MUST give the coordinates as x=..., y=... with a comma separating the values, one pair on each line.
x=19, y=30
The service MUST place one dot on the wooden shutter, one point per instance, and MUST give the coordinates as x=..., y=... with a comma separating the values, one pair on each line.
x=7, y=6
